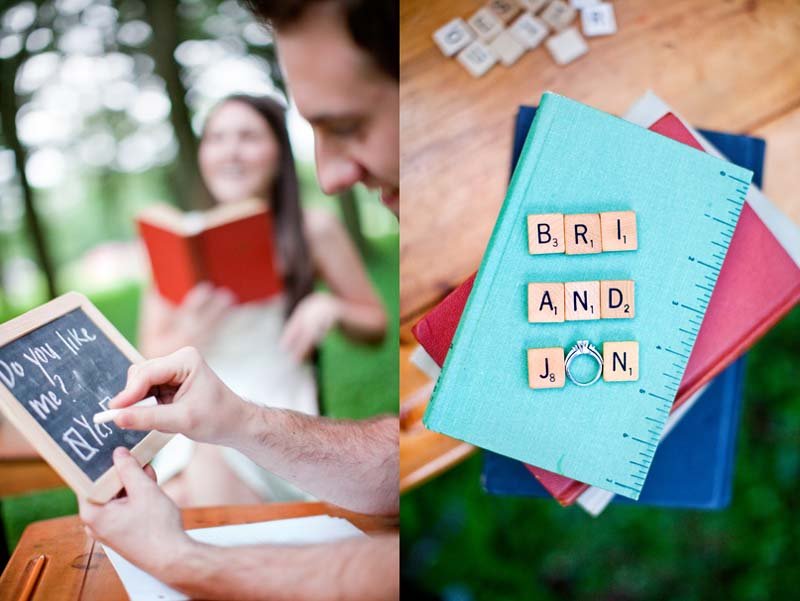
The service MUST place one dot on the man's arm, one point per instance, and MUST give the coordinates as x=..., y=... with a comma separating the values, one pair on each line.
x=359, y=569
x=353, y=464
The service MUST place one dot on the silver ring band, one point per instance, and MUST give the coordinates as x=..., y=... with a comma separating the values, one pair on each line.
x=583, y=347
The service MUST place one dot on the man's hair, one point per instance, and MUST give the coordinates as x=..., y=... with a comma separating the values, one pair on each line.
x=374, y=25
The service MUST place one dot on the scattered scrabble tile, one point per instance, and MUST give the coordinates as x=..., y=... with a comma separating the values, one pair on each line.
x=477, y=58
x=453, y=37
x=486, y=24
x=567, y=46
x=546, y=234
x=546, y=368
x=528, y=30
x=618, y=230
x=616, y=299
x=581, y=4
x=533, y=5
x=558, y=15
x=582, y=300
x=506, y=48
x=598, y=20
x=545, y=302
x=504, y=9
x=620, y=361
x=582, y=234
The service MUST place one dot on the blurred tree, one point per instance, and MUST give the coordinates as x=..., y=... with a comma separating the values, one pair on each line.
x=8, y=114
x=162, y=17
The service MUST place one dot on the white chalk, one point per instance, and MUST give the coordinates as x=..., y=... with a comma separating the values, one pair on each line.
x=108, y=416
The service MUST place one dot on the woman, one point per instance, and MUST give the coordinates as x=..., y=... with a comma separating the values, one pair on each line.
x=260, y=349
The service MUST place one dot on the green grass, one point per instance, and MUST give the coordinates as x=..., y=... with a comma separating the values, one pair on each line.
x=359, y=380
x=459, y=543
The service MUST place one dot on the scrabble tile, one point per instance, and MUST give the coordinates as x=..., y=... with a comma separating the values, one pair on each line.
x=620, y=361
x=486, y=24
x=533, y=6
x=545, y=302
x=558, y=15
x=477, y=58
x=582, y=234
x=566, y=46
x=506, y=48
x=546, y=234
x=617, y=299
x=581, y=4
x=528, y=30
x=582, y=300
x=598, y=20
x=504, y=9
x=546, y=367
x=453, y=37
x=618, y=230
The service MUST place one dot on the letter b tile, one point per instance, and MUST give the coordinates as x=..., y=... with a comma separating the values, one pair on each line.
x=546, y=234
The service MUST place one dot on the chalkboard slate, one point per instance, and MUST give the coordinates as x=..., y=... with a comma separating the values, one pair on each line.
x=63, y=373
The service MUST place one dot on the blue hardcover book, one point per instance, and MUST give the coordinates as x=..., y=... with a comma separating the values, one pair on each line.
x=693, y=467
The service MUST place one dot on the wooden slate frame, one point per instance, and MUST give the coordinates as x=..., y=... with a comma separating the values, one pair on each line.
x=108, y=485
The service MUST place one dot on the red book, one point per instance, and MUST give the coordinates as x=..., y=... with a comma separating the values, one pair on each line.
x=758, y=284
x=229, y=247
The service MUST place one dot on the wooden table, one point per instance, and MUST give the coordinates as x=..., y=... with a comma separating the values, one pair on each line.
x=21, y=468
x=729, y=65
x=78, y=569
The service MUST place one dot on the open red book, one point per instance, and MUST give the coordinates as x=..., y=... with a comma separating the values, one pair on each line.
x=230, y=247
x=758, y=284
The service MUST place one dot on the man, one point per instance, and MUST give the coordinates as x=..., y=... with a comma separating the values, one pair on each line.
x=340, y=58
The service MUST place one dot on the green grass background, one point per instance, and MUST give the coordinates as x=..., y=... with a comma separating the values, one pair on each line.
x=460, y=544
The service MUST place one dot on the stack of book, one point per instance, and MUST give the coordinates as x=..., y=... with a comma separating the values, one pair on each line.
x=694, y=322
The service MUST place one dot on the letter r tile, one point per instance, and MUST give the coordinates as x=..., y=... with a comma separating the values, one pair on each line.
x=582, y=233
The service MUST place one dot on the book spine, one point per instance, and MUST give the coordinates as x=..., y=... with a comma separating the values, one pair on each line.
x=519, y=182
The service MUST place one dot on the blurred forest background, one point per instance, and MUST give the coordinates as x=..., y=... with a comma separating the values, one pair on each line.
x=102, y=102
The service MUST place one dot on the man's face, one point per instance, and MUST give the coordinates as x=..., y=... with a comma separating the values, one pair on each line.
x=352, y=105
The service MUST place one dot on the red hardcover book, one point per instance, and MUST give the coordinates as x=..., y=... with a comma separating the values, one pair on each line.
x=738, y=314
x=230, y=247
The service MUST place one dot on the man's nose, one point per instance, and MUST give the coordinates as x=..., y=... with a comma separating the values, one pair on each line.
x=336, y=171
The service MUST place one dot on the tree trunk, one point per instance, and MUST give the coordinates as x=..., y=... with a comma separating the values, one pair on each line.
x=8, y=114
x=163, y=19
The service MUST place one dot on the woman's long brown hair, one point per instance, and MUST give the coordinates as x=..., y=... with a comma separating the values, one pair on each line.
x=290, y=240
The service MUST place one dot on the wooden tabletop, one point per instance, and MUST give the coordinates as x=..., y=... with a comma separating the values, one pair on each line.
x=78, y=569
x=729, y=65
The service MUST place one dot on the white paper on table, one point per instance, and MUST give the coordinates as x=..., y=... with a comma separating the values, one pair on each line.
x=141, y=586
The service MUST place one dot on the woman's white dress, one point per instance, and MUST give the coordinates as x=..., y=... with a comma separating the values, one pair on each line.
x=244, y=352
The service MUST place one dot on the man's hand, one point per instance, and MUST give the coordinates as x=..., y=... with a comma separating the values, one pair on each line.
x=144, y=525
x=192, y=399
x=313, y=317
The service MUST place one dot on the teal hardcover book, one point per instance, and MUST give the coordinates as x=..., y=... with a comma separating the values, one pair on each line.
x=580, y=160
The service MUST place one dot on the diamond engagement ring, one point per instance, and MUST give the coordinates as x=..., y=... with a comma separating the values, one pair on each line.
x=583, y=347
